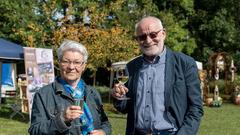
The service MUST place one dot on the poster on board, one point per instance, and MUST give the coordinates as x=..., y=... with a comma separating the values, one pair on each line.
x=39, y=70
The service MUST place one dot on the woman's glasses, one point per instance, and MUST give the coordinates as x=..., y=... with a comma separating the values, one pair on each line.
x=75, y=63
x=152, y=35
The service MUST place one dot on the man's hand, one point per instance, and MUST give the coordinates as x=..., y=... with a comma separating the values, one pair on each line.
x=119, y=90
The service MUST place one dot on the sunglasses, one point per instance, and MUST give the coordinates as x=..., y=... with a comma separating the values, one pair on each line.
x=152, y=35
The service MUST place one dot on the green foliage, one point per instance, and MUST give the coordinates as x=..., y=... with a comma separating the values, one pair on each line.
x=178, y=38
x=237, y=80
x=102, y=89
x=188, y=6
x=220, y=83
x=197, y=28
x=49, y=22
x=216, y=26
x=236, y=57
x=221, y=31
x=13, y=16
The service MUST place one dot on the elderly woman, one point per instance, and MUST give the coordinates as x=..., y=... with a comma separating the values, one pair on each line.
x=53, y=110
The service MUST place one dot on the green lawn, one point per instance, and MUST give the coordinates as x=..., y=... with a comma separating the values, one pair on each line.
x=15, y=126
x=221, y=121
x=216, y=121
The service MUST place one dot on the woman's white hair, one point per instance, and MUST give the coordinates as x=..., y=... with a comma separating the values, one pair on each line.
x=72, y=46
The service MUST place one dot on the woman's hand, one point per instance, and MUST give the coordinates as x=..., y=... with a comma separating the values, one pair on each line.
x=72, y=112
x=97, y=132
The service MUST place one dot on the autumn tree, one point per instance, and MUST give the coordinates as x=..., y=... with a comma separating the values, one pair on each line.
x=106, y=27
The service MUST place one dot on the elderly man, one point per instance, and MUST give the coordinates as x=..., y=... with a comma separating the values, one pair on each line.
x=163, y=87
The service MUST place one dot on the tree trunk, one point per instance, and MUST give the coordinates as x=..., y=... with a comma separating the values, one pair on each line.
x=94, y=78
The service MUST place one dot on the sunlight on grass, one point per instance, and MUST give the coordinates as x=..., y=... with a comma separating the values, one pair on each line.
x=221, y=121
x=118, y=123
x=13, y=127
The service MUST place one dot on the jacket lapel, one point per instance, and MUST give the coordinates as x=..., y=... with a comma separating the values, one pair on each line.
x=59, y=89
x=138, y=65
x=169, y=76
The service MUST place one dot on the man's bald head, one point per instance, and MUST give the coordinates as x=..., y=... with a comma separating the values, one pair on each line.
x=146, y=20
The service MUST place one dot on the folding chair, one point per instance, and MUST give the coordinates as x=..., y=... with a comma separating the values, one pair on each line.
x=16, y=110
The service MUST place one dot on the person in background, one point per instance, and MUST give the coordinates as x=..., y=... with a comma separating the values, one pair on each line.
x=163, y=87
x=53, y=110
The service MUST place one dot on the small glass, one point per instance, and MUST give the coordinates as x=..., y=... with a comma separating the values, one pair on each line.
x=122, y=78
x=78, y=102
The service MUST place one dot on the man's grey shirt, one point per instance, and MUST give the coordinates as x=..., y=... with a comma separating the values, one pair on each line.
x=150, y=96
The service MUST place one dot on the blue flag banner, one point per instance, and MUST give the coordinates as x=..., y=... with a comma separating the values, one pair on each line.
x=7, y=74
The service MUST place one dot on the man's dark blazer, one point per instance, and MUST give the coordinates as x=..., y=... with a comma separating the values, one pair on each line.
x=183, y=101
